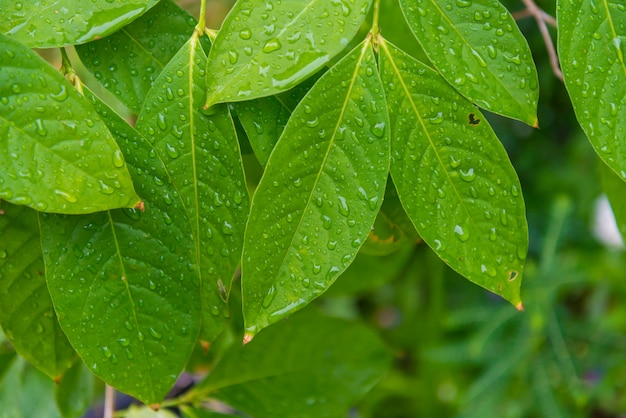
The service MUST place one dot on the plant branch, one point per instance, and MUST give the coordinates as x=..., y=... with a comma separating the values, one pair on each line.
x=109, y=401
x=543, y=20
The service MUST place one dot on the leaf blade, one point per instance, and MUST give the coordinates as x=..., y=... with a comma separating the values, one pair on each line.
x=56, y=154
x=201, y=154
x=46, y=24
x=336, y=146
x=591, y=45
x=462, y=194
x=280, y=56
x=478, y=48
x=26, y=313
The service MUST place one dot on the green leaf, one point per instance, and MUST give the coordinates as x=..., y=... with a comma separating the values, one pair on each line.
x=368, y=272
x=26, y=393
x=74, y=393
x=190, y=412
x=265, y=47
x=128, y=61
x=478, y=48
x=264, y=119
x=26, y=314
x=320, y=192
x=136, y=411
x=454, y=177
x=202, y=157
x=56, y=155
x=592, y=47
x=52, y=23
x=308, y=366
x=124, y=283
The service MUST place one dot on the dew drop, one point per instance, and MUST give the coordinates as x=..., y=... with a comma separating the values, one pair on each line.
x=504, y=217
x=269, y=297
x=460, y=233
x=245, y=34
x=233, y=56
x=343, y=206
x=378, y=129
x=467, y=175
x=118, y=159
x=65, y=195
x=154, y=333
x=61, y=95
x=327, y=222
x=488, y=270
x=437, y=119
x=272, y=45
x=161, y=123
x=171, y=150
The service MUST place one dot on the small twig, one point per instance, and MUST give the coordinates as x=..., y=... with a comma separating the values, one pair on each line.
x=543, y=19
x=109, y=401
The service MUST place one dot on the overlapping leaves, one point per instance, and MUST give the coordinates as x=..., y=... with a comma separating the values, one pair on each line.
x=202, y=159
x=125, y=283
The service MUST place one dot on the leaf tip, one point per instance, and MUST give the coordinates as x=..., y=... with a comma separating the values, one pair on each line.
x=205, y=346
x=520, y=307
x=141, y=206
x=535, y=123
x=247, y=337
x=155, y=406
x=57, y=380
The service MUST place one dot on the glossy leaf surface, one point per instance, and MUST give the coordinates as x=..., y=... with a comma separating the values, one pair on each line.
x=291, y=369
x=128, y=61
x=453, y=177
x=265, y=47
x=202, y=158
x=56, y=155
x=51, y=23
x=320, y=192
x=25, y=392
x=125, y=283
x=26, y=313
x=592, y=51
x=478, y=48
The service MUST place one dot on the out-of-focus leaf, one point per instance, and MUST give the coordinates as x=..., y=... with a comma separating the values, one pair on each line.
x=453, y=177
x=136, y=411
x=52, y=23
x=478, y=48
x=128, y=61
x=592, y=51
x=267, y=47
x=202, y=158
x=26, y=314
x=371, y=271
x=124, y=283
x=25, y=392
x=308, y=366
x=320, y=192
x=74, y=393
x=56, y=154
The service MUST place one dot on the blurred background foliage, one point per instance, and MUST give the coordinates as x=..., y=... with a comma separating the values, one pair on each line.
x=460, y=351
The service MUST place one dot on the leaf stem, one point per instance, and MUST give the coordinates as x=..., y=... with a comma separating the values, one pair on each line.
x=109, y=401
x=375, y=29
x=200, y=27
x=68, y=71
x=542, y=18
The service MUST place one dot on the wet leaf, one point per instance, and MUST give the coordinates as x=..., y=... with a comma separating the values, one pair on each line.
x=26, y=314
x=25, y=392
x=453, y=177
x=56, y=155
x=265, y=118
x=320, y=192
x=52, y=23
x=75, y=392
x=124, y=283
x=592, y=47
x=202, y=158
x=265, y=47
x=308, y=366
x=478, y=48
x=128, y=61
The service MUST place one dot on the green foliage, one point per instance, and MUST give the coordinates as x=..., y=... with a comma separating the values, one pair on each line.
x=174, y=190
